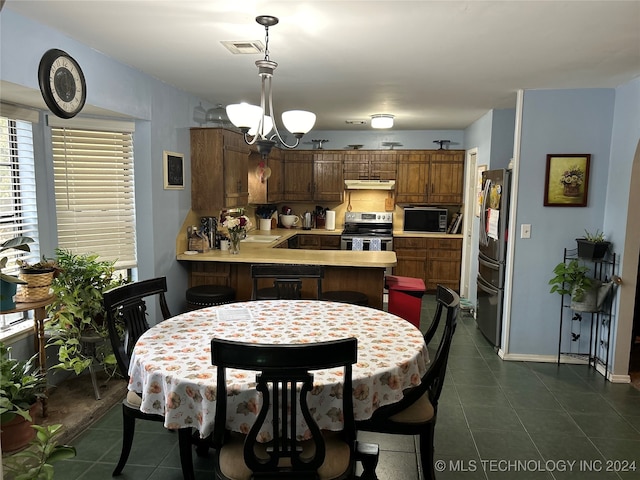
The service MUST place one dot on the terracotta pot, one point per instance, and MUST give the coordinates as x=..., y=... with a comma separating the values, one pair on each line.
x=17, y=433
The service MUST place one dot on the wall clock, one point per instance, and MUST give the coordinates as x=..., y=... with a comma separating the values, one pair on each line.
x=62, y=83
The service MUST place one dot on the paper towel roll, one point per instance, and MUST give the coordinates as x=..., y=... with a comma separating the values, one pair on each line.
x=330, y=222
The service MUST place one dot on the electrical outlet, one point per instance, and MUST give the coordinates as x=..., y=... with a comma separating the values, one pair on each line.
x=525, y=230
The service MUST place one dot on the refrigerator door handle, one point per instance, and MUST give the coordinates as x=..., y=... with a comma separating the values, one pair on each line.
x=486, y=287
x=487, y=260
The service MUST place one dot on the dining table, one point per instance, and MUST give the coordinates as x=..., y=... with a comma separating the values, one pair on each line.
x=171, y=366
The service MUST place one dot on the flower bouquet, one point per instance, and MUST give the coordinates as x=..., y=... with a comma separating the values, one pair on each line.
x=237, y=227
x=571, y=180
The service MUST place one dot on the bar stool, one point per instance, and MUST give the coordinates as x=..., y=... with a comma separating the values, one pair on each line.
x=346, y=296
x=209, y=295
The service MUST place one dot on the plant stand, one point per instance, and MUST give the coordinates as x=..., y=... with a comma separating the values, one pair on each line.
x=577, y=325
x=89, y=345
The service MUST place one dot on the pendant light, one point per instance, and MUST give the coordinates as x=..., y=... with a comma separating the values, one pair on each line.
x=252, y=119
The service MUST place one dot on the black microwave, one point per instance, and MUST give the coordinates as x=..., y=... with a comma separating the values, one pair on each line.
x=425, y=219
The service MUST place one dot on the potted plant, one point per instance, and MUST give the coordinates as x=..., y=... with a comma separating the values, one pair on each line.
x=592, y=246
x=21, y=385
x=38, y=277
x=35, y=462
x=77, y=317
x=587, y=294
x=9, y=283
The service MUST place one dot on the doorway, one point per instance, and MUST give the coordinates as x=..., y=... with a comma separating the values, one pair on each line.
x=468, y=253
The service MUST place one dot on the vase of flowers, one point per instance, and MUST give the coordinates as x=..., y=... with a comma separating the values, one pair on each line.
x=571, y=181
x=237, y=227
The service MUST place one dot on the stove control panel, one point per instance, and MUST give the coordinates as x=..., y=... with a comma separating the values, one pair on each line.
x=368, y=217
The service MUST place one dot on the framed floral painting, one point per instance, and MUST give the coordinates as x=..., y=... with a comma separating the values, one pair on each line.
x=566, y=181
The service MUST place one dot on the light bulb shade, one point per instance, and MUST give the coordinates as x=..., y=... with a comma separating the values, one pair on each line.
x=298, y=122
x=381, y=121
x=244, y=115
x=268, y=126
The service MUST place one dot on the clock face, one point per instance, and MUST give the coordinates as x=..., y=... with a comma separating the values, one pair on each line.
x=62, y=83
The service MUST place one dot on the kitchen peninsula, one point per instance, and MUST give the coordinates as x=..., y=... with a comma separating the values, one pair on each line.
x=362, y=271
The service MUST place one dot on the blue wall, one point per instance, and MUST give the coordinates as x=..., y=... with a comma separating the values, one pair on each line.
x=163, y=115
x=554, y=122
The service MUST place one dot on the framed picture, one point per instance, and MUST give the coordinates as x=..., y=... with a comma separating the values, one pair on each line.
x=566, y=182
x=173, y=170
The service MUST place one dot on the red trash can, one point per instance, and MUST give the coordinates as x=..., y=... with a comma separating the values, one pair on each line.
x=405, y=297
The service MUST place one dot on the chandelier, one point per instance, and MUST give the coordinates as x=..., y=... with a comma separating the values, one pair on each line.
x=258, y=122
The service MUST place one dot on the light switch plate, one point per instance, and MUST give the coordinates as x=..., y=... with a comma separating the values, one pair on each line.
x=525, y=230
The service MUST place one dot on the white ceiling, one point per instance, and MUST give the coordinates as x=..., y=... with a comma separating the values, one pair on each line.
x=433, y=64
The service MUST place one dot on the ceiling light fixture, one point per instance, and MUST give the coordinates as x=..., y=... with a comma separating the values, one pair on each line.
x=382, y=120
x=250, y=119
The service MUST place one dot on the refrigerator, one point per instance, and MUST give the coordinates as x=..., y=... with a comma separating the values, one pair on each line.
x=494, y=220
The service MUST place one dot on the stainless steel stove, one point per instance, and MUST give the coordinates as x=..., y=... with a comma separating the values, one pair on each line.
x=367, y=231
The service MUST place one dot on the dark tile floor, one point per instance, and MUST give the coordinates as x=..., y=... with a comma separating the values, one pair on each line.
x=497, y=420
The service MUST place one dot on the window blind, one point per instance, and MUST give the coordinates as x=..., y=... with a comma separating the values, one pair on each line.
x=94, y=193
x=18, y=212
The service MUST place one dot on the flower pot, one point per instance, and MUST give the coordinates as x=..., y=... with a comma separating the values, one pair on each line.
x=17, y=432
x=593, y=298
x=592, y=250
x=38, y=284
x=571, y=190
x=7, y=292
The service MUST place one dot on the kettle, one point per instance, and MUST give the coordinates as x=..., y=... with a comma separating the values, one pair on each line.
x=307, y=220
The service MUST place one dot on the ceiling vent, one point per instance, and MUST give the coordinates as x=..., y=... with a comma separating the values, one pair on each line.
x=243, y=47
x=355, y=122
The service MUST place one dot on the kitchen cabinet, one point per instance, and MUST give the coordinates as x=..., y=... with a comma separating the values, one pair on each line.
x=446, y=176
x=328, y=182
x=318, y=242
x=298, y=175
x=434, y=260
x=219, y=170
x=411, y=256
x=413, y=177
x=370, y=165
x=430, y=177
x=313, y=176
x=444, y=259
x=275, y=183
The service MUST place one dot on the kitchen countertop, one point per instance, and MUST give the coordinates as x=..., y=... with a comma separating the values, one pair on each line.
x=264, y=252
x=403, y=234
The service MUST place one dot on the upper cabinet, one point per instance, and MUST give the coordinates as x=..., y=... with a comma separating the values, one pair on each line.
x=370, y=165
x=310, y=175
x=328, y=182
x=430, y=177
x=219, y=169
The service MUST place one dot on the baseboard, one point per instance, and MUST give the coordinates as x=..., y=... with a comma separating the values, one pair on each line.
x=565, y=359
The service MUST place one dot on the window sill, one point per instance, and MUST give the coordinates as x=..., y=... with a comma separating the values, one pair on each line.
x=17, y=332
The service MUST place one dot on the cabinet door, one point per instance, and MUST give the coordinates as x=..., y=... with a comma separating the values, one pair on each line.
x=236, y=182
x=411, y=257
x=309, y=242
x=412, y=181
x=383, y=165
x=443, y=263
x=298, y=175
x=446, y=177
x=356, y=165
x=275, y=183
x=328, y=182
x=206, y=169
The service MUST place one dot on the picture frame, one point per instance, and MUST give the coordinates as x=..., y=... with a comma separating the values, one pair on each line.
x=566, y=182
x=173, y=170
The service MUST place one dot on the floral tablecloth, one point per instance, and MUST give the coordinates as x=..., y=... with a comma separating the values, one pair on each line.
x=171, y=362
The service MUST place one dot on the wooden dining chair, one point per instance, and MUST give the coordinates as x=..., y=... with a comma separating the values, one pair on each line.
x=416, y=413
x=127, y=321
x=284, y=382
x=287, y=280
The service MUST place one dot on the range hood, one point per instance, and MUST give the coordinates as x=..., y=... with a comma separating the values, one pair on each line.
x=369, y=184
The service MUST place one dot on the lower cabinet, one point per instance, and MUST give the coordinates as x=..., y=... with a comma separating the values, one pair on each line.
x=435, y=260
x=318, y=242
